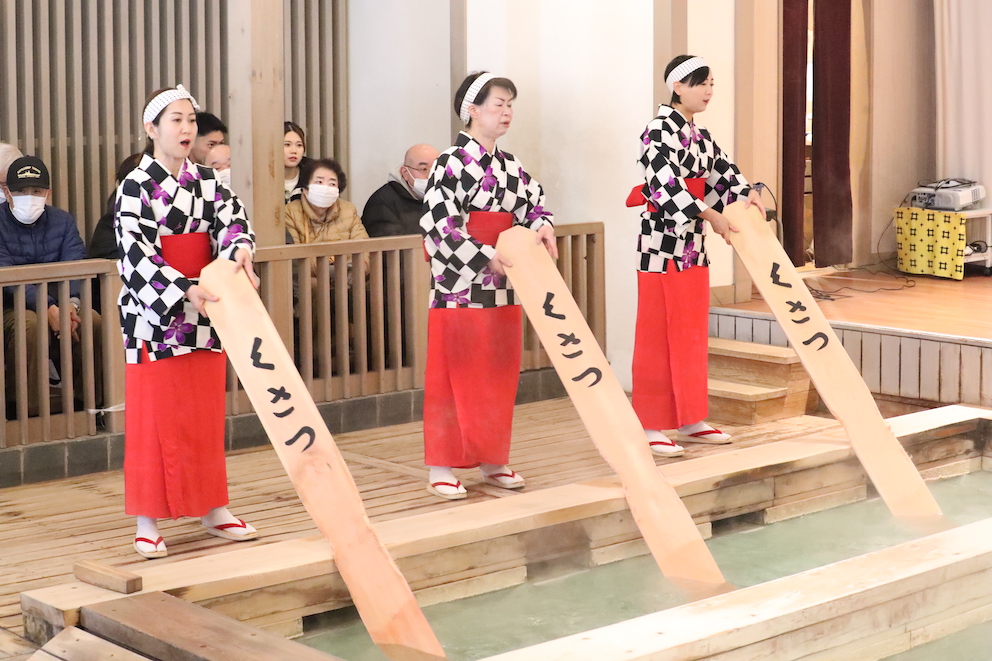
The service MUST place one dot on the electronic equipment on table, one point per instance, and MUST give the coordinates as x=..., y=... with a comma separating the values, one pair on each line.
x=947, y=194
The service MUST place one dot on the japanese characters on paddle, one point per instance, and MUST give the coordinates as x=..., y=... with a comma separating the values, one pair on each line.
x=475, y=191
x=688, y=179
x=172, y=217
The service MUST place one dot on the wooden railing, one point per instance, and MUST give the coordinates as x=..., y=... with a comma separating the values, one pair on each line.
x=366, y=314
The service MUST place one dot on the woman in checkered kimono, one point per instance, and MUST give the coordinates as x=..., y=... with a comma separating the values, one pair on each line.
x=688, y=180
x=475, y=191
x=172, y=217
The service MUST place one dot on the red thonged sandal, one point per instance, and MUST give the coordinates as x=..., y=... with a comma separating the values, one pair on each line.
x=222, y=531
x=447, y=490
x=709, y=436
x=158, y=549
x=511, y=480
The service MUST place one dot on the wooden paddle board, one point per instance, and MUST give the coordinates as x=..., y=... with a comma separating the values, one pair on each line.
x=837, y=380
x=664, y=522
x=314, y=464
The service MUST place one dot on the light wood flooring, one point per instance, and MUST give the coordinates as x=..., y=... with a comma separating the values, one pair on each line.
x=933, y=305
x=45, y=527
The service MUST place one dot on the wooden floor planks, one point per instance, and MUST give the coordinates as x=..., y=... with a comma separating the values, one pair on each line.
x=46, y=527
x=933, y=305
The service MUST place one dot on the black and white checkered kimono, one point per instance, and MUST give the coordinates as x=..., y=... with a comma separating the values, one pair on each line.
x=151, y=203
x=467, y=178
x=672, y=238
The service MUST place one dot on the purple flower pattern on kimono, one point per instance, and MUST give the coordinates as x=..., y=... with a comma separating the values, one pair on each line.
x=672, y=233
x=153, y=204
x=467, y=178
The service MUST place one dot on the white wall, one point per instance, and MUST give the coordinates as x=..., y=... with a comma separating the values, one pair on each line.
x=399, y=90
x=583, y=71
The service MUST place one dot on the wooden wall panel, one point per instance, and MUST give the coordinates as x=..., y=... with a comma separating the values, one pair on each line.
x=76, y=75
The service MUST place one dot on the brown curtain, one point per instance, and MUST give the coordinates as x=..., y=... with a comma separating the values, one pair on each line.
x=832, y=203
x=794, y=29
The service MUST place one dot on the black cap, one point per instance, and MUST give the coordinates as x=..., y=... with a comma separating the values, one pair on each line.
x=27, y=171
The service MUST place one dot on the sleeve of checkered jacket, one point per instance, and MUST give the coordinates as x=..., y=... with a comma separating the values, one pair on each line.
x=536, y=215
x=665, y=186
x=155, y=284
x=443, y=227
x=230, y=228
x=725, y=180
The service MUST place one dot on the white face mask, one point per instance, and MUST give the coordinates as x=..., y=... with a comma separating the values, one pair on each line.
x=420, y=187
x=27, y=208
x=322, y=196
x=224, y=176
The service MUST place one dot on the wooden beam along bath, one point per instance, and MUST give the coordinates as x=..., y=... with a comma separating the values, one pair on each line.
x=780, y=479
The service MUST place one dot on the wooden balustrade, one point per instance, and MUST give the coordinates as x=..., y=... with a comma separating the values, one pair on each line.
x=353, y=314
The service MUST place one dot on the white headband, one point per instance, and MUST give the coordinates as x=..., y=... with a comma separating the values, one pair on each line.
x=473, y=91
x=683, y=70
x=162, y=100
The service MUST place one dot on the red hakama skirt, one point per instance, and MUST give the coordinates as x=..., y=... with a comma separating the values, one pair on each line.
x=671, y=346
x=473, y=369
x=174, y=462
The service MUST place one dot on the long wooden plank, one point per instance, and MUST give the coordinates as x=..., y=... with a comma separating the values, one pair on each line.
x=829, y=366
x=664, y=521
x=73, y=644
x=895, y=590
x=164, y=627
x=316, y=467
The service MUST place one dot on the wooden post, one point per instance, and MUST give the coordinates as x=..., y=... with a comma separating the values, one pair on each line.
x=256, y=97
x=458, y=44
x=671, y=38
x=830, y=368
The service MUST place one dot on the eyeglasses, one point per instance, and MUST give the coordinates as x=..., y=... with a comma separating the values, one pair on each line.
x=423, y=170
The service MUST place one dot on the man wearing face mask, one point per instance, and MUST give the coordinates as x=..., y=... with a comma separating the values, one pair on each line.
x=219, y=158
x=396, y=208
x=33, y=232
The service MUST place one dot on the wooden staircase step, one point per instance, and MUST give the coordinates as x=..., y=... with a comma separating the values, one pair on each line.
x=752, y=351
x=744, y=391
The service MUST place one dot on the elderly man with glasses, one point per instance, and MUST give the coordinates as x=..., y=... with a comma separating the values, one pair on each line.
x=396, y=208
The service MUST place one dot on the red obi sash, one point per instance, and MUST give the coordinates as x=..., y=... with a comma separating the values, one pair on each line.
x=485, y=227
x=695, y=185
x=187, y=253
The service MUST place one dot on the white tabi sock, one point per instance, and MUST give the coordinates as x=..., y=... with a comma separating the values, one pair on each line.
x=695, y=428
x=441, y=474
x=147, y=528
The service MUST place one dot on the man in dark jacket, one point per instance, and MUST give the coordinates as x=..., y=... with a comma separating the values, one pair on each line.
x=33, y=232
x=397, y=206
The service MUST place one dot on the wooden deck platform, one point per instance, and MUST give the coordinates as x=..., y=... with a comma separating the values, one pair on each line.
x=46, y=527
x=879, y=298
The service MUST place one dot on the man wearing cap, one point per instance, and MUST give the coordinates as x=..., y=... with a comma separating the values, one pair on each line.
x=33, y=232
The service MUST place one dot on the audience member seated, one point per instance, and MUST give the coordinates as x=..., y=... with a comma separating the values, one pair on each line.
x=103, y=243
x=219, y=158
x=33, y=232
x=320, y=215
x=294, y=147
x=396, y=208
x=210, y=132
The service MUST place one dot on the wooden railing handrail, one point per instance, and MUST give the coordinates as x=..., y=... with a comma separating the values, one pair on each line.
x=55, y=271
x=88, y=268
x=353, y=246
